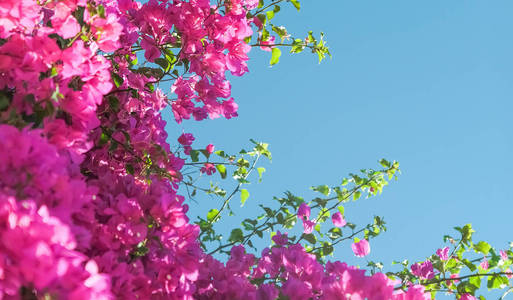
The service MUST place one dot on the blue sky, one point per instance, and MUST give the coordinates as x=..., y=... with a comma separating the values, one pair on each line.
x=427, y=83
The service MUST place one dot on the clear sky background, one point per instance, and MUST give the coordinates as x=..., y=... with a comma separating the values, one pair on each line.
x=427, y=83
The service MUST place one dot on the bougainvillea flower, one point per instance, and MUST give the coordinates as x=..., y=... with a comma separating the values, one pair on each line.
x=423, y=270
x=443, y=253
x=338, y=220
x=361, y=248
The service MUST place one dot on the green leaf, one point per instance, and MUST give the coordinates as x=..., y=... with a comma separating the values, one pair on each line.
x=357, y=195
x=260, y=170
x=497, y=282
x=275, y=58
x=164, y=63
x=244, y=195
x=296, y=4
x=150, y=87
x=281, y=31
x=270, y=15
x=280, y=218
x=222, y=170
x=263, y=19
x=194, y=155
x=482, y=247
x=475, y=281
x=4, y=102
x=104, y=138
x=385, y=163
x=54, y=72
x=327, y=248
x=324, y=189
x=341, y=209
x=129, y=169
x=101, y=11
x=118, y=80
x=113, y=146
x=212, y=214
x=334, y=233
x=113, y=103
x=310, y=238
x=466, y=233
x=236, y=235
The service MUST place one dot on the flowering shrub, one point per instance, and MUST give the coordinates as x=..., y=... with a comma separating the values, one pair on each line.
x=89, y=201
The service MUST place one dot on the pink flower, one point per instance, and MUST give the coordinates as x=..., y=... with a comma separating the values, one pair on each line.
x=467, y=296
x=303, y=211
x=484, y=264
x=187, y=150
x=443, y=253
x=251, y=4
x=208, y=168
x=237, y=57
x=210, y=148
x=64, y=23
x=338, y=220
x=280, y=239
x=361, y=248
x=229, y=108
x=267, y=291
x=449, y=282
x=151, y=51
x=186, y=139
x=510, y=275
x=423, y=270
x=269, y=41
x=504, y=255
x=308, y=226
x=296, y=289
x=108, y=31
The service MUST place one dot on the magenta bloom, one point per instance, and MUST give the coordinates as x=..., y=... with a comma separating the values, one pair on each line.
x=423, y=270
x=186, y=139
x=361, y=249
x=280, y=238
x=504, y=255
x=338, y=220
x=484, y=264
x=467, y=296
x=303, y=211
x=443, y=253
x=208, y=168
x=308, y=226
x=210, y=148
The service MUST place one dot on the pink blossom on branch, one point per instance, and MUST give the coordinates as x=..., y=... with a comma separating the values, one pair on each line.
x=443, y=253
x=423, y=270
x=338, y=220
x=208, y=169
x=304, y=211
x=361, y=248
x=467, y=296
x=210, y=148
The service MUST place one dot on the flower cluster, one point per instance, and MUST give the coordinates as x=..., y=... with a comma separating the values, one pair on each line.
x=89, y=203
x=290, y=271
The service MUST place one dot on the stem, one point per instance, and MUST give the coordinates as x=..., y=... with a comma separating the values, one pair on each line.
x=225, y=203
x=267, y=6
x=354, y=190
x=428, y=282
x=266, y=225
x=340, y=240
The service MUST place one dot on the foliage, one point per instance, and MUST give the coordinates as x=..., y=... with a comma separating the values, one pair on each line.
x=89, y=202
